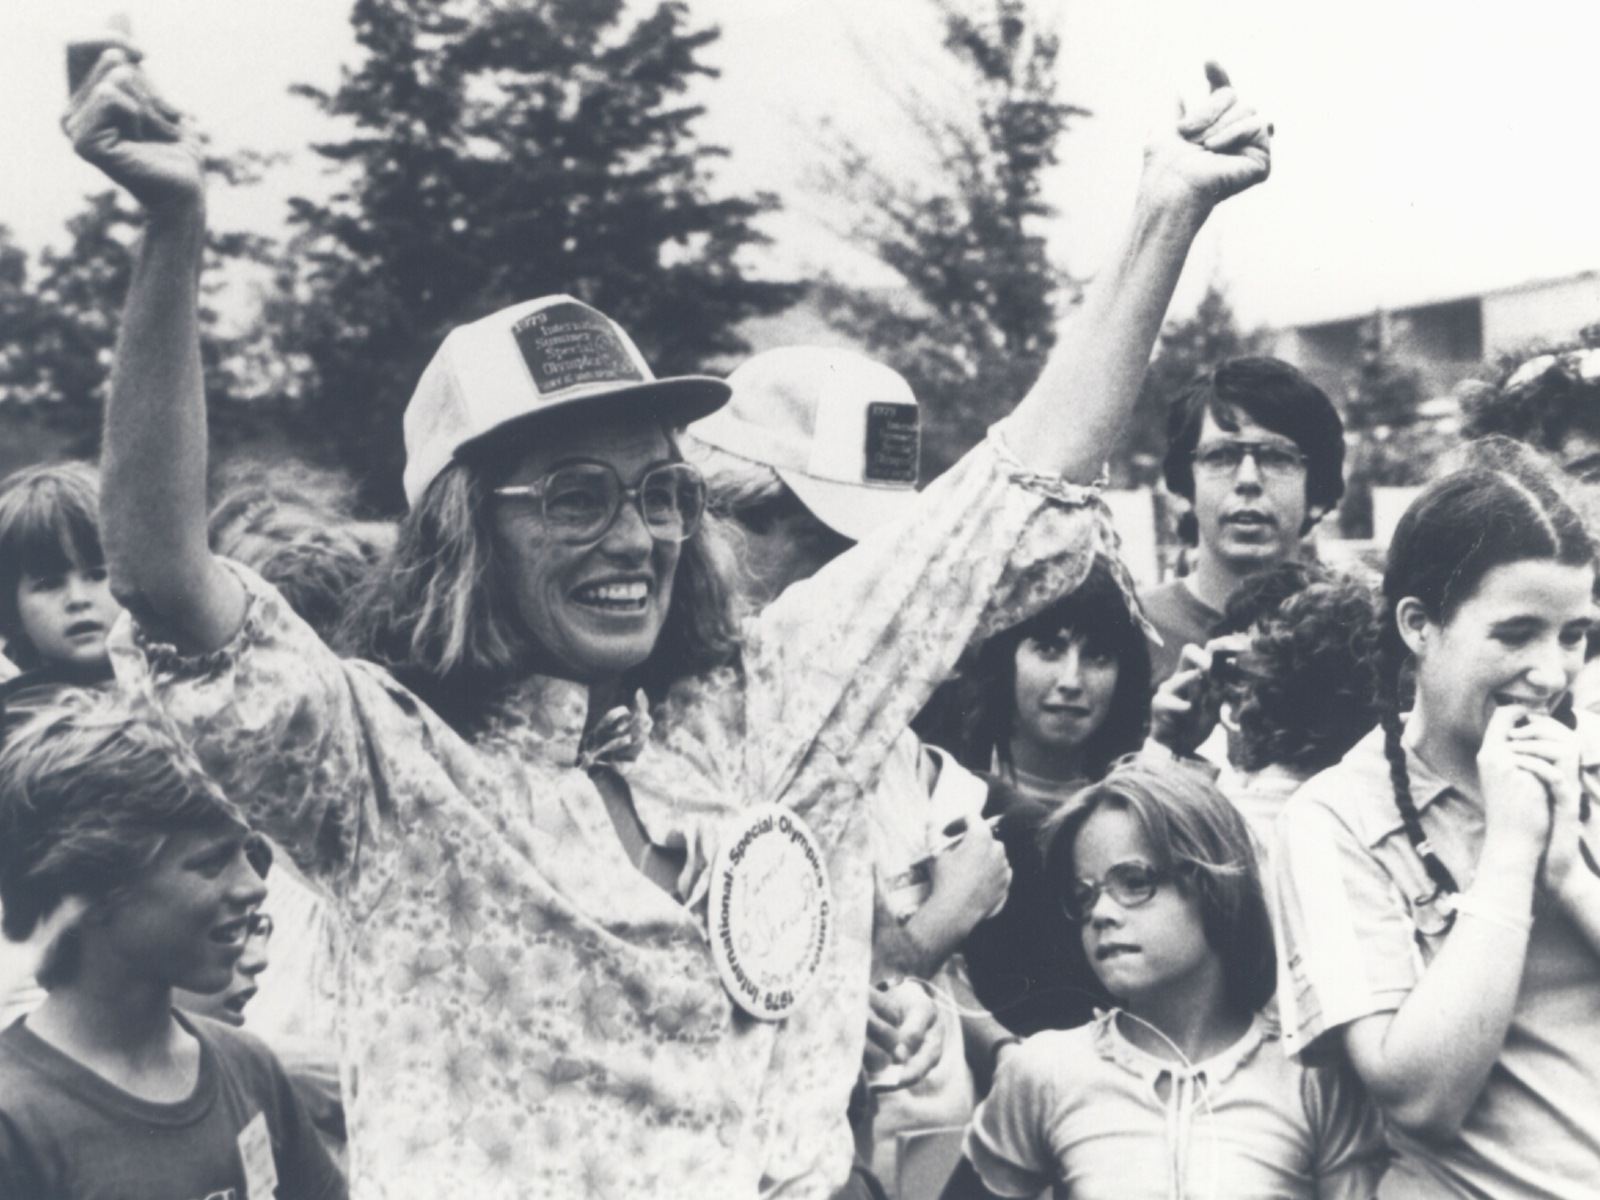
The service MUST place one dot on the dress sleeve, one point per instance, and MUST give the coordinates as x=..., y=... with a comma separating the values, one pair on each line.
x=1350, y=1153
x=838, y=665
x=1346, y=944
x=1006, y=1142
x=274, y=718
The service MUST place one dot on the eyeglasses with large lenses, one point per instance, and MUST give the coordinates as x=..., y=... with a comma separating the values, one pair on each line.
x=1224, y=458
x=1130, y=884
x=580, y=502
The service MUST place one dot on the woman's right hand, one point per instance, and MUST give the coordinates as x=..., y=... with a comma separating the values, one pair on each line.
x=974, y=874
x=905, y=1038
x=118, y=122
x=1185, y=708
x=1511, y=770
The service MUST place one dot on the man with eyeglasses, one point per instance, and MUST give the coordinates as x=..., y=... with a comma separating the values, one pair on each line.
x=1257, y=450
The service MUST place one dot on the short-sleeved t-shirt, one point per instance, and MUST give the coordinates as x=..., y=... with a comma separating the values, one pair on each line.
x=1359, y=922
x=1097, y=1118
x=1180, y=619
x=68, y=1134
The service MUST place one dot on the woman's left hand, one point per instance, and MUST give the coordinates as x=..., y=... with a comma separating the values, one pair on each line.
x=1549, y=751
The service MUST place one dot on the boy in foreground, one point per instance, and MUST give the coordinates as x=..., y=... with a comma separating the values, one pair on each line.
x=106, y=1090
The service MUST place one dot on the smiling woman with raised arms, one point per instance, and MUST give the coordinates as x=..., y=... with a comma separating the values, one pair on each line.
x=1441, y=911
x=546, y=995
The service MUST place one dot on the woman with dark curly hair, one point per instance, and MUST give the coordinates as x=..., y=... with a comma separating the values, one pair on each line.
x=1308, y=692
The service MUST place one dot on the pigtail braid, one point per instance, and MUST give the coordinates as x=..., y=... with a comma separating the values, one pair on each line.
x=1443, y=881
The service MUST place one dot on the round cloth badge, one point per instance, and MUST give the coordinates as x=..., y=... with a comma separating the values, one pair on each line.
x=771, y=910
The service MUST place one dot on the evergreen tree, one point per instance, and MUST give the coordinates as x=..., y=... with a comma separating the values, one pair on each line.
x=1388, y=447
x=59, y=322
x=978, y=321
x=505, y=149
x=59, y=327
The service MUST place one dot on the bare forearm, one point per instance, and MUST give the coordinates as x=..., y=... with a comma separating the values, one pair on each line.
x=936, y=930
x=1429, y=1066
x=153, y=492
x=1077, y=413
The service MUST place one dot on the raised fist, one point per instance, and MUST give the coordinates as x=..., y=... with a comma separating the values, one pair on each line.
x=1216, y=151
x=117, y=122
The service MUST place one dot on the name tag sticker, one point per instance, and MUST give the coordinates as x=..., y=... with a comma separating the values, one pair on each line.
x=255, y=1151
x=892, y=443
x=771, y=910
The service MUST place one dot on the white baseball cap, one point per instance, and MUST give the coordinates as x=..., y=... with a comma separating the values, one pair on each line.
x=536, y=357
x=839, y=429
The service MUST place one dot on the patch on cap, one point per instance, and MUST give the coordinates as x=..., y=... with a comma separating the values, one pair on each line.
x=569, y=344
x=892, y=442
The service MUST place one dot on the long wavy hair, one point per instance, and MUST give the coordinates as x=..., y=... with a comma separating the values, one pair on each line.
x=975, y=716
x=439, y=613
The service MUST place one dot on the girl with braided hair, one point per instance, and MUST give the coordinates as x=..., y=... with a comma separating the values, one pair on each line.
x=1439, y=908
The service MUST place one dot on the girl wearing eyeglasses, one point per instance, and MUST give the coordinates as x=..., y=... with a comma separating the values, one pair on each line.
x=542, y=997
x=1184, y=1088
x=1440, y=902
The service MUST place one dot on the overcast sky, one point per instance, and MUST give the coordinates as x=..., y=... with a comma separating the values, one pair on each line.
x=1425, y=149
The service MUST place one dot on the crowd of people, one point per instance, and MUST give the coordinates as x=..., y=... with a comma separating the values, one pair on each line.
x=677, y=801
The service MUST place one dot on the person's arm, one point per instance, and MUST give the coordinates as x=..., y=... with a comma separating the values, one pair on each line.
x=1579, y=899
x=987, y=1040
x=1427, y=1063
x=969, y=881
x=152, y=500
x=1568, y=875
x=1008, y=1147
x=837, y=666
x=1077, y=412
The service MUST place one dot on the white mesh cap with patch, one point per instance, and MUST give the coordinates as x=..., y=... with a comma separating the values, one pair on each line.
x=539, y=356
x=840, y=430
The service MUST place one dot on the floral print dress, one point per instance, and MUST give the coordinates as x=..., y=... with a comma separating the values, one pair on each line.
x=523, y=1012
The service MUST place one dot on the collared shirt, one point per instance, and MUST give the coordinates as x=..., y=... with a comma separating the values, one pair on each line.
x=1091, y=1114
x=525, y=1014
x=1359, y=922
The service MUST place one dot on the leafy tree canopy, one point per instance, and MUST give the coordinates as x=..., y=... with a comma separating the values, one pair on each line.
x=978, y=319
x=59, y=320
x=505, y=149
